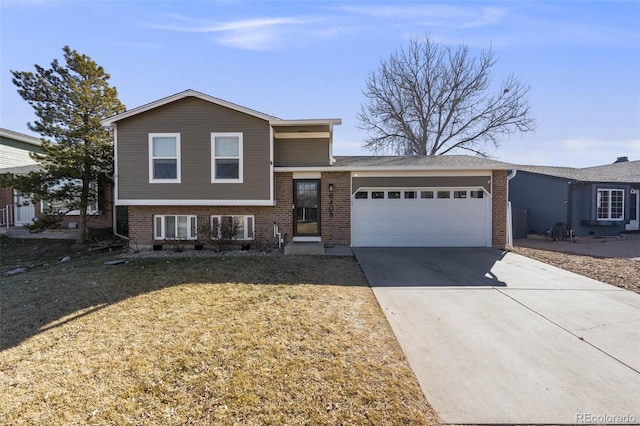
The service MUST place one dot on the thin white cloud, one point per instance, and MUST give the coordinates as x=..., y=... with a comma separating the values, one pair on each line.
x=252, y=34
x=436, y=15
x=487, y=16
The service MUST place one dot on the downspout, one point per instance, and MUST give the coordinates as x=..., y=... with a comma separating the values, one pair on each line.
x=570, y=208
x=509, y=215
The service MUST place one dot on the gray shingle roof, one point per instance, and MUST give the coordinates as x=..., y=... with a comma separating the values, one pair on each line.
x=428, y=162
x=627, y=172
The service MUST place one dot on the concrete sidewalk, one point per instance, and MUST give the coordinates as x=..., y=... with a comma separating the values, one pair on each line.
x=495, y=337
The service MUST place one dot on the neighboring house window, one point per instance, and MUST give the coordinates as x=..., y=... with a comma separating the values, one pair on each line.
x=226, y=164
x=233, y=227
x=59, y=206
x=164, y=158
x=174, y=227
x=610, y=204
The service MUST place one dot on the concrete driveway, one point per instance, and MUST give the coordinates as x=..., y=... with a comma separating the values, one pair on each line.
x=495, y=337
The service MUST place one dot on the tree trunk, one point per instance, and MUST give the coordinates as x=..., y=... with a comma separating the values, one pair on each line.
x=82, y=226
x=84, y=202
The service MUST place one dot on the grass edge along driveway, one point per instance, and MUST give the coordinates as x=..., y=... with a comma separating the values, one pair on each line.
x=251, y=340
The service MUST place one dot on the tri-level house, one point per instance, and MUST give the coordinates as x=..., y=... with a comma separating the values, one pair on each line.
x=189, y=163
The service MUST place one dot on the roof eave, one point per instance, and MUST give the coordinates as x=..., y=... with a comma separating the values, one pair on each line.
x=307, y=122
x=10, y=134
x=187, y=93
x=385, y=168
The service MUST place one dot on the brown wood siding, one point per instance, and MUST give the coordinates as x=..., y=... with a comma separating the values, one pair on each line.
x=301, y=152
x=421, y=182
x=195, y=120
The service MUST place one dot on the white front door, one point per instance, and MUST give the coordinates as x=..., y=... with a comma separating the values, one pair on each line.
x=24, y=209
x=634, y=211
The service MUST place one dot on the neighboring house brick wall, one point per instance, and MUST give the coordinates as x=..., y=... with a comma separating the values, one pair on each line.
x=336, y=230
x=6, y=197
x=499, y=209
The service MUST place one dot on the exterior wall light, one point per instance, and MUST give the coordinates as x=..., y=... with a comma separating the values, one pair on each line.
x=330, y=187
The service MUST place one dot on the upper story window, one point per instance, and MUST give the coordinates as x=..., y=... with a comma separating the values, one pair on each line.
x=226, y=164
x=610, y=204
x=164, y=158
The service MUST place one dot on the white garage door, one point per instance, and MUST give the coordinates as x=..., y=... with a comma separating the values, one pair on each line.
x=438, y=217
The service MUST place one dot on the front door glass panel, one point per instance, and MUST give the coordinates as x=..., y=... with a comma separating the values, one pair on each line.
x=306, y=208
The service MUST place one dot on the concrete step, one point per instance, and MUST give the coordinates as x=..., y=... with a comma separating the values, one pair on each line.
x=296, y=247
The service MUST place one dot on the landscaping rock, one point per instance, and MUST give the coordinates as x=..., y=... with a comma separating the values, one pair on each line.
x=16, y=271
x=114, y=262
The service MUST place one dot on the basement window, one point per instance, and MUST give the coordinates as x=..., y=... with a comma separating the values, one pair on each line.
x=174, y=227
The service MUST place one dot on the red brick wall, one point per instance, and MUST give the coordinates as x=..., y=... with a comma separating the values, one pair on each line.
x=336, y=208
x=283, y=212
x=335, y=228
x=499, y=209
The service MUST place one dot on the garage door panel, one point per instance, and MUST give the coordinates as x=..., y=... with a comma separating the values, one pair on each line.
x=420, y=222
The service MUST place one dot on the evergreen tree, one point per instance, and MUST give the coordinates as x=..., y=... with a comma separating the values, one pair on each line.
x=69, y=100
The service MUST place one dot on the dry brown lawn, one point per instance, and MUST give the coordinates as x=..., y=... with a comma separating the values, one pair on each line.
x=244, y=340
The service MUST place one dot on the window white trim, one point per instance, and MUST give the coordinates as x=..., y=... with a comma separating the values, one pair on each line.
x=161, y=232
x=609, y=211
x=247, y=226
x=181, y=202
x=239, y=157
x=177, y=157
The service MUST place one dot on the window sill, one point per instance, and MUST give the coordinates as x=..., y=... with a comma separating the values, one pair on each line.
x=227, y=181
x=603, y=223
x=165, y=181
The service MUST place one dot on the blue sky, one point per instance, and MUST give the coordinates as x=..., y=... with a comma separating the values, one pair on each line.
x=310, y=59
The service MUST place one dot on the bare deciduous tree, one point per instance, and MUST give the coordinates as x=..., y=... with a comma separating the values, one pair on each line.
x=429, y=99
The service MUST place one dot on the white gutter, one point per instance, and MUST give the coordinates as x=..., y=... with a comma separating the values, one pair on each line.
x=383, y=168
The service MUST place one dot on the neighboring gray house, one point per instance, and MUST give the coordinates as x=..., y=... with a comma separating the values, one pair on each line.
x=593, y=201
